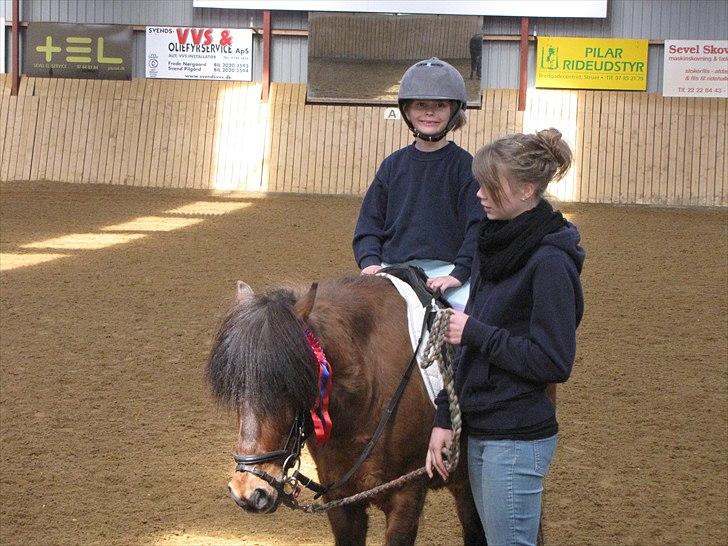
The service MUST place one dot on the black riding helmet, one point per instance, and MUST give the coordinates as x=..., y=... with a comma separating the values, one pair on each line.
x=432, y=79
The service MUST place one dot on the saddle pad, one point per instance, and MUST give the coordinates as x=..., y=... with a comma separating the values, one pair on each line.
x=415, y=316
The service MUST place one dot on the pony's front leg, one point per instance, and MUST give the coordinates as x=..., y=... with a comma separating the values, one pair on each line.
x=403, y=509
x=349, y=525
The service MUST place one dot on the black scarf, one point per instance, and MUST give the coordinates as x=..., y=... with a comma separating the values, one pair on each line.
x=504, y=246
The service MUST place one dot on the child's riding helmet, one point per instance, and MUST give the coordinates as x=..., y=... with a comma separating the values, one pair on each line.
x=432, y=79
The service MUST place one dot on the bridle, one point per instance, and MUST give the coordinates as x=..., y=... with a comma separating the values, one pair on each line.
x=314, y=421
x=288, y=488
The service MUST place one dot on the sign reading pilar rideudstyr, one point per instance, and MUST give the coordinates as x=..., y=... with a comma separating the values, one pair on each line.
x=591, y=63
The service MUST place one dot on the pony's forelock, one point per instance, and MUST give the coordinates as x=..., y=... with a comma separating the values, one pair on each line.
x=260, y=356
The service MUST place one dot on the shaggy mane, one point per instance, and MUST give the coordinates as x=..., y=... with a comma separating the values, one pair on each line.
x=260, y=355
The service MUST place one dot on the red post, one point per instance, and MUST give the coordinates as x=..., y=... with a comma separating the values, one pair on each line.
x=266, y=55
x=14, y=53
x=523, y=65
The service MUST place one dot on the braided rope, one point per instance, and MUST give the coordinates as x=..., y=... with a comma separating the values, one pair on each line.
x=314, y=508
x=436, y=350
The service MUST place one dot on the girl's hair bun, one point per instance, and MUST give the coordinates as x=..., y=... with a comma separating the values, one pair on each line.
x=557, y=148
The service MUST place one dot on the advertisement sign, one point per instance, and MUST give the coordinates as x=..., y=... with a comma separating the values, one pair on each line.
x=66, y=50
x=199, y=53
x=591, y=63
x=695, y=68
x=521, y=8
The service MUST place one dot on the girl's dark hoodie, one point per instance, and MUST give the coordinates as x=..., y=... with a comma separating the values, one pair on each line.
x=519, y=337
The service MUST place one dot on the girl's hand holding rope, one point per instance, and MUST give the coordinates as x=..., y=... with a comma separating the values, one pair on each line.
x=455, y=327
x=440, y=439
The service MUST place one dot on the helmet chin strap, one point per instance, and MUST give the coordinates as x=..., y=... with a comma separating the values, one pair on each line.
x=430, y=138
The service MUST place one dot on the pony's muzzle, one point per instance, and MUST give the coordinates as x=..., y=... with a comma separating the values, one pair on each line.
x=259, y=501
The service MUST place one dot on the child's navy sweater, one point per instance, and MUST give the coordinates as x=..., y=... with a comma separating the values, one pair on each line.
x=421, y=205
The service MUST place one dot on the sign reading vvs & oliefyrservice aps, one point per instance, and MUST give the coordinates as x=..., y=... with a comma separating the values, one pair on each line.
x=591, y=63
x=199, y=53
x=66, y=50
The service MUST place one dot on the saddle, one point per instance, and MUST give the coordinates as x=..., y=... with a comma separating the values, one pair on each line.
x=416, y=277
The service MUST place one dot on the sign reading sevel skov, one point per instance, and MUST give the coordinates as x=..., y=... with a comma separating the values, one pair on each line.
x=695, y=68
x=199, y=53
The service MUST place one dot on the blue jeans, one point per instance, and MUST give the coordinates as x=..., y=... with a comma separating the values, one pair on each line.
x=506, y=477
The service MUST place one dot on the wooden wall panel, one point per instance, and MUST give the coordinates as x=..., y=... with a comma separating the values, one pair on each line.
x=10, y=136
x=720, y=197
x=630, y=148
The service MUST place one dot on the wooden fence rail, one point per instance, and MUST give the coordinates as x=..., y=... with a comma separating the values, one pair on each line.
x=629, y=147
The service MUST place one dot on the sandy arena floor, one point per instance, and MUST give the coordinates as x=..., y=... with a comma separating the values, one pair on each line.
x=109, y=436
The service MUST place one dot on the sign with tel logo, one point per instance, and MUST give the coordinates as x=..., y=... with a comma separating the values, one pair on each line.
x=65, y=50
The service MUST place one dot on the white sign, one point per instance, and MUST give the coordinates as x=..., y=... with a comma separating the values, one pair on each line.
x=392, y=113
x=199, y=53
x=521, y=8
x=695, y=68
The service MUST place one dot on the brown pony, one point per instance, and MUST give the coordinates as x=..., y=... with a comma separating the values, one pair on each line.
x=262, y=365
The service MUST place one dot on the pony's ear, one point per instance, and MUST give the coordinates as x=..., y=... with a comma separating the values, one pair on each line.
x=304, y=305
x=243, y=292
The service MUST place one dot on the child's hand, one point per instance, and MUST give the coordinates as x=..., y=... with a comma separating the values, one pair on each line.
x=371, y=269
x=443, y=283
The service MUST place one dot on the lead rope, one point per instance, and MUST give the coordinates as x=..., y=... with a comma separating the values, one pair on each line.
x=435, y=350
x=438, y=350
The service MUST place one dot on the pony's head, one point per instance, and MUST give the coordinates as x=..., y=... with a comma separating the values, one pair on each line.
x=262, y=366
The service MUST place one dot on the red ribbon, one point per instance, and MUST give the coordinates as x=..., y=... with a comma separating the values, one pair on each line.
x=320, y=411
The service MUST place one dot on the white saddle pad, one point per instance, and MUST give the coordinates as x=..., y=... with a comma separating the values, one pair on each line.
x=415, y=316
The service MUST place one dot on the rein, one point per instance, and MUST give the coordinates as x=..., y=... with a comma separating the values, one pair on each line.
x=388, y=412
x=289, y=487
x=435, y=351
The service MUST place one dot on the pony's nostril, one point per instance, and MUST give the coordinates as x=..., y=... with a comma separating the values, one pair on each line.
x=260, y=499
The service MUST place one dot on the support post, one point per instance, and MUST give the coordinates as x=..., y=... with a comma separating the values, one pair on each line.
x=523, y=65
x=14, y=53
x=266, y=55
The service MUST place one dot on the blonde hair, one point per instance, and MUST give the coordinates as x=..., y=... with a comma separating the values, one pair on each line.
x=539, y=158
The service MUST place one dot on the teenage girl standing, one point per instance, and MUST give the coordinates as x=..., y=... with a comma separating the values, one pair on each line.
x=518, y=334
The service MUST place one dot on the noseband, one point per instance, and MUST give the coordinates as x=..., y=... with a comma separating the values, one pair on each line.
x=287, y=488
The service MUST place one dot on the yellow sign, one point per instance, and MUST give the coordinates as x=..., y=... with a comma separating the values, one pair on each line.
x=591, y=63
